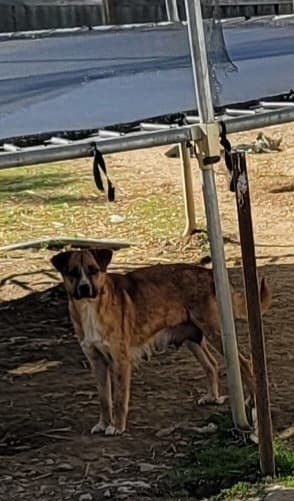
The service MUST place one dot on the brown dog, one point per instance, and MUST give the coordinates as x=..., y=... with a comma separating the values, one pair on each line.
x=118, y=317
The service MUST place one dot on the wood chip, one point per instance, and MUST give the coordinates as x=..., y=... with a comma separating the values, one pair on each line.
x=31, y=368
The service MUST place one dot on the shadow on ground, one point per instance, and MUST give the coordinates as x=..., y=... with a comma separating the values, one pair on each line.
x=45, y=443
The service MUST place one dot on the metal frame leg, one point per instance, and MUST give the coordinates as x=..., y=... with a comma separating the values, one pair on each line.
x=223, y=294
x=209, y=153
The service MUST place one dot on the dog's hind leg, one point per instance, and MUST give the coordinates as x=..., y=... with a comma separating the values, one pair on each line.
x=101, y=373
x=210, y=366
x=245, y=364
x=121, y=376
x=206, y=348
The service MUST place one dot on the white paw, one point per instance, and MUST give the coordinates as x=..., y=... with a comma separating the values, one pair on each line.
x=112, y=430
x=254, y=417
x=221, y=400
x=206, y=399
x=100, y=427
x=209, y=399
x=254, y=433
x=254, y=438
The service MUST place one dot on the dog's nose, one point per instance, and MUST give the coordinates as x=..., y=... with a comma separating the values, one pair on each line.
x=84, y=290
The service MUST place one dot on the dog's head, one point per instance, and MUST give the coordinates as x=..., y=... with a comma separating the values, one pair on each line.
x=83, y=271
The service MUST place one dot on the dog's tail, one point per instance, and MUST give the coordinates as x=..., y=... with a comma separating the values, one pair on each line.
x=239, y=301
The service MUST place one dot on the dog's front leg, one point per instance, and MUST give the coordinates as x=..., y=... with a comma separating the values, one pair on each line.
x=101, y=372
x=121, y=377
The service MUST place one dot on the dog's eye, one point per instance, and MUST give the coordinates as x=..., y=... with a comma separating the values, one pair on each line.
x=74, y=272
x=93, y=270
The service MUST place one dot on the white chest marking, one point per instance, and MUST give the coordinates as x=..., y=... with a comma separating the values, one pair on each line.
x=92, y=328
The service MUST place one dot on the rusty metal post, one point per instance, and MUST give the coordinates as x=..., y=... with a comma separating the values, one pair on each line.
x=254, y=313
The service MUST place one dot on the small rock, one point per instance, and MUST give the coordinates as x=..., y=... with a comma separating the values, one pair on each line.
x=86, y=497
x=43, y=489
x=7, y=478
x=125, y=490
x=64, y=467
x=49, y=461
x=107, y=494
x=116, y=218
x=164, y=432
x=146, y=467
x=203, y=430
x=19, y=488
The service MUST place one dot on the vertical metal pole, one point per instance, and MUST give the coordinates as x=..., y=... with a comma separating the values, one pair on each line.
x=254, y=314
x=187, y=189
x=206, y=113
x=172, y=10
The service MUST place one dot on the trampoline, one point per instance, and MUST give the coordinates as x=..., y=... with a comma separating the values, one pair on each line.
x=100, y=78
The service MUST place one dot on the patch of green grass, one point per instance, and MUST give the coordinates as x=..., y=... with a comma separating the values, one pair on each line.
x=286, y=481
x=241, y=490
x=226, y=461
x=216, y=463
x=284, y=460
x=246, y=490
x=203, y=241
x=161, y=219
x=62, y=199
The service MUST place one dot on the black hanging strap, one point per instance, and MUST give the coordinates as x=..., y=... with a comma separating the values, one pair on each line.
x=99, y=165
x=227, y=148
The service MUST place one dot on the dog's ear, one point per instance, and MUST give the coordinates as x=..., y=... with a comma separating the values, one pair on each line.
x=60, y=261
x=102, y=257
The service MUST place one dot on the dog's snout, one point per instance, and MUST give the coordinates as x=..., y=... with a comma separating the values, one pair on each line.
x=84, y=290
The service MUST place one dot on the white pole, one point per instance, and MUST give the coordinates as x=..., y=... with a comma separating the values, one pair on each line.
x=206, y=113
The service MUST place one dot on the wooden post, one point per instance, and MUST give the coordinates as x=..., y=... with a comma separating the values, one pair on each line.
x=187, y=190
x=254, y=313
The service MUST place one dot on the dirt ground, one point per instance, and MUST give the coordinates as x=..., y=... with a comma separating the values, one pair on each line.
x=46, y=449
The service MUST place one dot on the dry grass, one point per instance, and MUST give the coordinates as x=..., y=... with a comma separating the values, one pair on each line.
x=61, y=200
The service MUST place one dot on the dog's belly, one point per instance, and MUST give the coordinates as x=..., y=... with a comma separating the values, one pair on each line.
x=162, y=340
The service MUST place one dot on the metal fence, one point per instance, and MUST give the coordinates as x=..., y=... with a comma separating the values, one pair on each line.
x=24, y=15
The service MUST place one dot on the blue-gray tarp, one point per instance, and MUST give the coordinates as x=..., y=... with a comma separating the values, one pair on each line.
x=102, y=78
